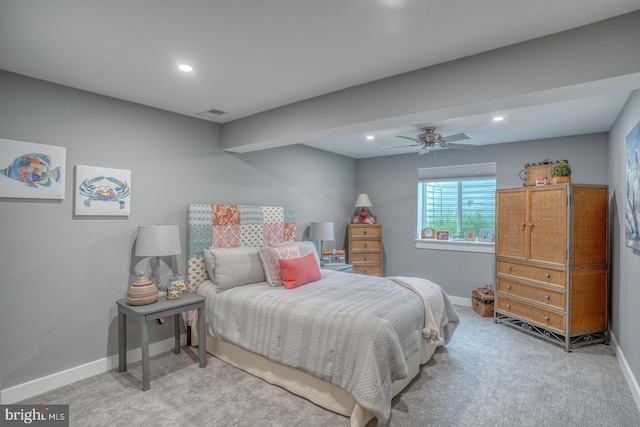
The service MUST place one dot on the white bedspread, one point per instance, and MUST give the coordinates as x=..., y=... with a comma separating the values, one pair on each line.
x=351, y=330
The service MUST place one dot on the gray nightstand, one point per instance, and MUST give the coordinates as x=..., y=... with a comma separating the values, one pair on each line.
x=346, y=268
x=156, y=310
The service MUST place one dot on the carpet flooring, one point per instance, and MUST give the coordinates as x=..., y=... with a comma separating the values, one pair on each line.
x=489, y=374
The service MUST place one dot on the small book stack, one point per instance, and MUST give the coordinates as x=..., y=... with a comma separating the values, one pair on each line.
x=334, y=257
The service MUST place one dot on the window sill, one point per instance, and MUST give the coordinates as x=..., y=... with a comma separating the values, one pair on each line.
x=456, y=245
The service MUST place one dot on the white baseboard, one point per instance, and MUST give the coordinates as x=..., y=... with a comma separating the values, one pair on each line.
x=68, y=376
x=626, y=370
x=464, y=301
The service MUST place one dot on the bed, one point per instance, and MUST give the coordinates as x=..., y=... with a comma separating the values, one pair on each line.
x=346, y=342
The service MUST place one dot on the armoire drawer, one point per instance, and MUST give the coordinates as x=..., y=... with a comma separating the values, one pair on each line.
x=540, y=316
x=357, y=257
x=538, y=294
x=371, y=270
x=365, y=231
x=537, y=273
x=365, y=245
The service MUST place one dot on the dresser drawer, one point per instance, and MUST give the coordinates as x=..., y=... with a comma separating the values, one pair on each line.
x=537, y=273
x=540, y=316
x=365, y=245
x=543, y=296
x=371, y=270
x=366, y=231
x=365, y=257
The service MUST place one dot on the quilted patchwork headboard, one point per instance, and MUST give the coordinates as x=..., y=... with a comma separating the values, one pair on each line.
x=229, y=226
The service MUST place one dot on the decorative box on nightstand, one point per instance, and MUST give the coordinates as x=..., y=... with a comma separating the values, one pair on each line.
x=346, y=268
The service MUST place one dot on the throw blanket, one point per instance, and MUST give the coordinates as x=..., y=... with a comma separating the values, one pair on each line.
x=351, y=330
x=433, y=298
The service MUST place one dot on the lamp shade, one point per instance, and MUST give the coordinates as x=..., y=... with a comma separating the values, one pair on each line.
x=363, y=201
x=321, y=231
x=158, y=240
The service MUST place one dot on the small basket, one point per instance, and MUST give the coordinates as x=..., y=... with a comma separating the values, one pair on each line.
x=532, y=171
x=482, y=304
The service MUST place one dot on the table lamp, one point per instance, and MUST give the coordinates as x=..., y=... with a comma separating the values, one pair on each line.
x=157, y=241
x=321, y=231
x=362, y=202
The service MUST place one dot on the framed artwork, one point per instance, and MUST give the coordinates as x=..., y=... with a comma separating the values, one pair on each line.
x=428, y=233
x=179, y=282
x=442, y=235
x=470, y=235
x=485, y=235
x=102, y=191
x=355, y=219
x=31, y=171
x=632, y=203
x=371, y=219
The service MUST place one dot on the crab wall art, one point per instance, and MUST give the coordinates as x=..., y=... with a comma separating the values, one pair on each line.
x=102, y=191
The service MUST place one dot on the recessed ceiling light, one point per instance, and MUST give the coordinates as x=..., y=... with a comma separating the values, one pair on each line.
x=498, y=119
x=186, y=68
x=370, y=137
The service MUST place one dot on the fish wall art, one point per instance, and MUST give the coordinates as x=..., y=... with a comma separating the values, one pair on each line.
x=32, y=171
x=102, y=191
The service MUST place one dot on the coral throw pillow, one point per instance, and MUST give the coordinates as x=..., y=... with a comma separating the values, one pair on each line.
x=299, y=271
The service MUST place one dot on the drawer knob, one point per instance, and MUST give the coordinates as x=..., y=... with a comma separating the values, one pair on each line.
x=365, y=257
x=546, y=297
x=531, y=224
x=509, y=268
x=508, y=286
x=546, y=318
x=547, y=275
x=508, y=305
x=522, y=224
x=366, y=245
x=365, y=232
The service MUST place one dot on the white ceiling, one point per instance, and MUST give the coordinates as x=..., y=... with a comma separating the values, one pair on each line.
x=252, y=56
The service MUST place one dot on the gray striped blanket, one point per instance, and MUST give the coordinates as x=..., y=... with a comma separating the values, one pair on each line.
x=350, y=330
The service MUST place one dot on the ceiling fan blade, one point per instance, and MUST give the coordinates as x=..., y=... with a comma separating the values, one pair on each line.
x=456, y=137
x=405, y=137
x=401, y=146
x=460, y=146
x=424, y=150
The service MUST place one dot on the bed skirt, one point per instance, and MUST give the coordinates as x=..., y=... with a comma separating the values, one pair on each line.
x=322, y=393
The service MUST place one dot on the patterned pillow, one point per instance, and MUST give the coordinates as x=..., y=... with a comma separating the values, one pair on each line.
x=270, y=258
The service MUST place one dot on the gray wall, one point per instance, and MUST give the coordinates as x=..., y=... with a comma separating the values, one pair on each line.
x=625, y=262
x=60, y=276
x=391, y=183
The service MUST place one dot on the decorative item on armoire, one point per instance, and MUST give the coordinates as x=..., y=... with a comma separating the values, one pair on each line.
x=156, y=241
x=533, y=172
x=561, y=174
x=362, y=202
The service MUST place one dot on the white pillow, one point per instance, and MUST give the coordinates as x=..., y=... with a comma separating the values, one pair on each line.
x=231, y=267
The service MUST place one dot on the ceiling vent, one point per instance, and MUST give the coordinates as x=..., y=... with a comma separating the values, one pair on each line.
x=213, y=113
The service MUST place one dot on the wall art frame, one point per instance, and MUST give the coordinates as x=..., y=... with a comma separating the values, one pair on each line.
x=102, y=191
x=32, y=171
x=632, y=195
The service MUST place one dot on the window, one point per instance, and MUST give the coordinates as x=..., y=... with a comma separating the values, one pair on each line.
x=457, y=199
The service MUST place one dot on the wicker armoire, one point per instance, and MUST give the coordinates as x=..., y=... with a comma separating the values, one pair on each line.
x=551, y=262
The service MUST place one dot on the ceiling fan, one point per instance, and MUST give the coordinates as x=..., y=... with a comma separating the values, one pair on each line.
x=430, y=140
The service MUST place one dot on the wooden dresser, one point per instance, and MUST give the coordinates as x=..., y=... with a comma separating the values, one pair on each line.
x=551, y=262
x=364, y=248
